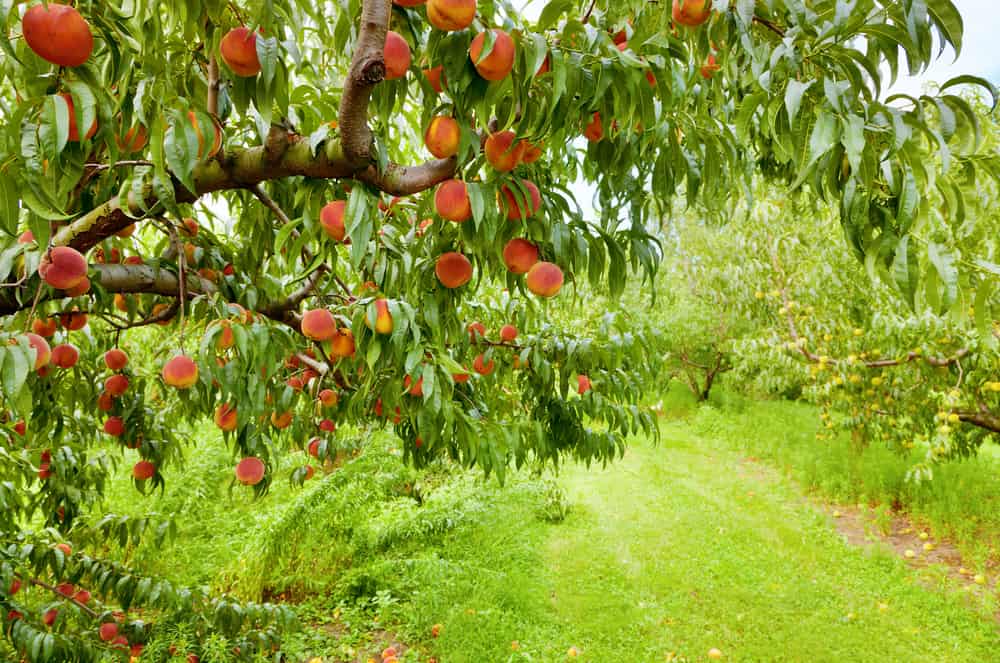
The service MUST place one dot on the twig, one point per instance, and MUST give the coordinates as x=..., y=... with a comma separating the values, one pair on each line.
x=590, y=10
x=213, y=86
x=82, y=606
x=769, y=25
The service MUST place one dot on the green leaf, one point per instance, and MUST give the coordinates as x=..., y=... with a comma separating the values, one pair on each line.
x=793, y=98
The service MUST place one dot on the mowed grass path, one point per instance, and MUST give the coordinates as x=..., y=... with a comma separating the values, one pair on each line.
x=680, y=548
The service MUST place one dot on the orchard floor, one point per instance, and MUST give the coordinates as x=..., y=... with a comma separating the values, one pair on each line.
x=679, y=548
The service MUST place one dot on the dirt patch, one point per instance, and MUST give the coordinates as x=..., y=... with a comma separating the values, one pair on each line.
x=912, y=543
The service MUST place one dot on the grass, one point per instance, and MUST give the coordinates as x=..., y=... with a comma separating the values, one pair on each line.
x=676, y=549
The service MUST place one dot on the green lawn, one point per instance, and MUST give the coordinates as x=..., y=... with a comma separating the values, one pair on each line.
x=679, y=548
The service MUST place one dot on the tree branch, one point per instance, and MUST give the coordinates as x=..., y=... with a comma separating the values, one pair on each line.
x=367, y=70
x=82, y=606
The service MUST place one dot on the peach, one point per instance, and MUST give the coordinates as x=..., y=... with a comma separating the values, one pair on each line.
x=62, y=267
x=115, y=359
x=57, y=33
x=443, y=136
x=327, y=426
x=520, y=206
x=114, y=426
x=331, y=217
x=709, y=68
x=67, y=551
x=342, y=345
x=27, y=237
x=225, y=417
x=397, y=56
x=508, y=333
x=414, y=388
x=497, y=64
x=81, y=288
x=453, y=269
x=107, y=632
x=105, y=402
x=476, y=330
x=313, y=448
x=545, y=279
x=435, y=76
x=691, y=13
x=310, y=472
x=189, y=227
x=44, y=471
x=451, y=15
x=582, y=384
x=121, y=302
x=295, y=383
x=50, y=616
x=74, y=320
x=180, y=372
x=226, y=338
x=479, y=365
x=143, y=470
x=82, y=596
x=328, y=397
x=503, y=151
x=239, y=51
x=250, y=471
x=383, y=318
x=281, y=421
x=45, y=327
x=318, y=325
x=134, y=140
x=520, y=255
x=545, y=67
x=451, y=201
x=65, y=355
x=42, y=351
x=20, y=427
x=116, y=385
x=594, y=132
x=530, y=153
x=460, y=378
x=203, y=151
x=74, y=131
x=158, y=310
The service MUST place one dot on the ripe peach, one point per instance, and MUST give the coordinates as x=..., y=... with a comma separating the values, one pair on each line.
x=15, y=587
x=530, y=153
x=74, y=320
x=65, y=355
x=327, y=426
x=62, y=267
x=508, y=333
x=710, y=67
x=451, y=15
x=180, y=372
x=114, y=426
x=158, y=310
x=476, y=330
x=116, y=385
x=82, y=596
x=318, y=325
x=226, y=337
x=460, y=378
x=499, y=61
x=520, y=206
x=520, y=255
x=397, y=56
x=451, y=201
x=453, y=269
x=313, y=447
x=134, y=140
x=49, y=618
x=443, y=136
x=225, y=417
x=435, y=76
x=414, y=388
x=281, y=421
x=203, y=151
x=67, y=551
x=45, y=327
x=44, y=471
x=57, y=33
x=105, y=402
x=331, y=217
x=328, y=397
x=143, y=470
x=310, y=472
x=691, y=13
x=545, y=67
x=342, y=345
x=582, y=384
x=74, y=132
x=545, y=279
x=189, y=227
x=115, y=359
x=250, y=471
x=20, y=427
x=239, y=51
x=80, y=289
x=42, y=351
x=503, y=151
x=27, y=237
x=121, y=302
x=480, y=366
x=383, y=318
x=594, y=132
x=296, y=383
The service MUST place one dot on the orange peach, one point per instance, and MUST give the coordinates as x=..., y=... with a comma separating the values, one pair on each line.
x=27, y=237
x=545, y=279
x=397, y=56
x=114, y=426
x=476, y=330
x=460, y=378
x=225, y=417
x=327, y=426
x=497, y=64
x=134, y=140
x=121, y=302
x=318, y=325
x=691, y=13
x=414, y=388
x=342, y=344
x=115, y=359
x=328, y=397
x=520, y=255
x=383, y=318
x=520, y=206
x=481, y=366
x=331, y=217
x=143, y=470
x=453, y=269
x=239, y=51
x=57, y=33
x=180, y=372
x=582, y=384
x=189, y=227
x=313, y=447
x=105, y=402
x=503, y=151
x=43, y=353
x=116, y=385
x=226, y=337
x=435, y=76
x=158, y=310
x=451, y=201
x=508, y=333
x=62, y=267
x=451, y=15
x=710, y=67
x=250, y=471
x=281, y=421
x=65, y=355
x=74, y=131
x=530, y=153
x=45, y=327
x=82, y=288
x=107, y=632
x=443, y=136
x=594, y=132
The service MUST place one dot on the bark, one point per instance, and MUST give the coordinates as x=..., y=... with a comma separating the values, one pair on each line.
x=367, y=70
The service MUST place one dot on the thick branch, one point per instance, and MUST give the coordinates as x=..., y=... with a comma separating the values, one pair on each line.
x=986, y=420
x=367, y=70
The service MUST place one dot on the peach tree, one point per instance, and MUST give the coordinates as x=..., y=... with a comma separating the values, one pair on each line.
x=293, y=217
